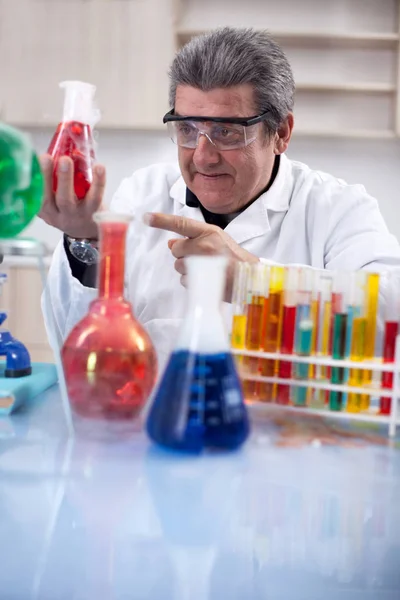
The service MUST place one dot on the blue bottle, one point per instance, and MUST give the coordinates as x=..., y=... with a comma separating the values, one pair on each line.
x=199, y=401
x=18, y=360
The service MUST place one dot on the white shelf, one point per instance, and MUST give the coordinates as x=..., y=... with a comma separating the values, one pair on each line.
x=345, y=133
x=356, y=89
x=368, y=88
x=312, y=37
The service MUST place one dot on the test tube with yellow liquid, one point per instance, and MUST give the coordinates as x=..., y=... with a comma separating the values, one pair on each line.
x=239, y=306
x=257, y=293
x=357, y=342
x=314, y=318
x=272, y=330
x=324, y=283
x=372, y=301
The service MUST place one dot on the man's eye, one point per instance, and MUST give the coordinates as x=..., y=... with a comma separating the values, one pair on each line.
x=225, y=132
x=185, y=129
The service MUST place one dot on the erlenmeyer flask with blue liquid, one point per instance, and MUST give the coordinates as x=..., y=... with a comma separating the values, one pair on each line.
x=199, y=401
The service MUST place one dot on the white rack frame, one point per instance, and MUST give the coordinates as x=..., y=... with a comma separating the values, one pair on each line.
x=392, y=420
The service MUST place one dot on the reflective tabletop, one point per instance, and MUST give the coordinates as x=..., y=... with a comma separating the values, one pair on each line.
x=306, y=509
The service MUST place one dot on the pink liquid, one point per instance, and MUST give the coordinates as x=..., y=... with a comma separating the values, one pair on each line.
x=389, y=345
x=74, y=139
x=287, y=345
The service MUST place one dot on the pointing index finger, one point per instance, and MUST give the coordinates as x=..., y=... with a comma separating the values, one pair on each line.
x=189, y=228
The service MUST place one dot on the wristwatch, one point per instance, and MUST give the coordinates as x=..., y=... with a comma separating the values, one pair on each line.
x=84, y=250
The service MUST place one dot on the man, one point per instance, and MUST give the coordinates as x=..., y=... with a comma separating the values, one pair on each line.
x=235, y=192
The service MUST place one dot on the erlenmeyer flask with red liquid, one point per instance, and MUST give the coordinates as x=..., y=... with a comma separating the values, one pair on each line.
x=109, y=361
x=74, y=135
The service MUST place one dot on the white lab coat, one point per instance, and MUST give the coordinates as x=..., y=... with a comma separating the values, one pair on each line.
x=306, y=217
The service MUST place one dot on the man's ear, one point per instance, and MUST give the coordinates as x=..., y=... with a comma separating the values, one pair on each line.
x=284, y=134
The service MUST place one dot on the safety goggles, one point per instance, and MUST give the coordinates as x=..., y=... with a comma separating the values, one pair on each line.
x=225, y=133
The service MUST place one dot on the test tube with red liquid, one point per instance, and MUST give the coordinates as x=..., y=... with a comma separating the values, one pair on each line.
x=288, y=330
x=391, y=330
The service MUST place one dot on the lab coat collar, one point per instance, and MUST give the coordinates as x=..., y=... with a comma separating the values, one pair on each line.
x=252, y=222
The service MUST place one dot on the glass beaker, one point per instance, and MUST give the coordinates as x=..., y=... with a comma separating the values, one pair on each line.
x=109, y=361
x=73, y=136
x=199, y=402
x=21, y=182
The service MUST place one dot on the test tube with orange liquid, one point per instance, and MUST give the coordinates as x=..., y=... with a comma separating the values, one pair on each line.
x=272, y=330
x=257, y=293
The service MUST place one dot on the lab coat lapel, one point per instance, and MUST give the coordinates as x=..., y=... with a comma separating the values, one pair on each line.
x=178, y=194
x=251, y=223
x=254, y=222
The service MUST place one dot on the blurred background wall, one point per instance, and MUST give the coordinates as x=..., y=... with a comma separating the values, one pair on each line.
x=345, y=57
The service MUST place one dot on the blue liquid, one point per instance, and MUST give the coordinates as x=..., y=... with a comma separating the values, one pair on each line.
x=199, y=403
x=303, y=348
x=303, y=313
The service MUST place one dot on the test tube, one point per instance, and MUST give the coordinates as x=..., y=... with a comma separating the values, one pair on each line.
x=339, y=334
x=304, y=295
x=391, y=330
x=303, y=348
x=304, y=332
x=272, y=329
x=357, y=333
x=255, y=305
x=372, y=300
x=239, y=305
x=314, y=318
x=288, y=330
x=256, y=293
x=324, y=284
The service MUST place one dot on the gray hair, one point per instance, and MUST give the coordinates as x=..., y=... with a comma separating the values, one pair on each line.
x=230, y=56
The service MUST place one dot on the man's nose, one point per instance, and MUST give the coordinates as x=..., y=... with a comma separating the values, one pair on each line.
x=205, y=151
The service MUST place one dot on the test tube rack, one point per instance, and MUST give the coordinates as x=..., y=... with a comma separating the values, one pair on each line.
x=371, y=415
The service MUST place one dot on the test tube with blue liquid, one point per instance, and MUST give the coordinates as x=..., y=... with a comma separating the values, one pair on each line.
x=199, y=401
x=304, y=333
x=340, y=347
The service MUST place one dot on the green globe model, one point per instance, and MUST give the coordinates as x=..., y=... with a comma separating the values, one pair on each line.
x=21, y=182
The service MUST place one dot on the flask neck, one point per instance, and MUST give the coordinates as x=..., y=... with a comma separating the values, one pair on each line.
x=206, y=281
x=112, y=259
x=203, y=327
x=79, y=103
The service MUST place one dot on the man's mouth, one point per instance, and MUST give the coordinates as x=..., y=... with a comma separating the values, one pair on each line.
x=211, y=175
